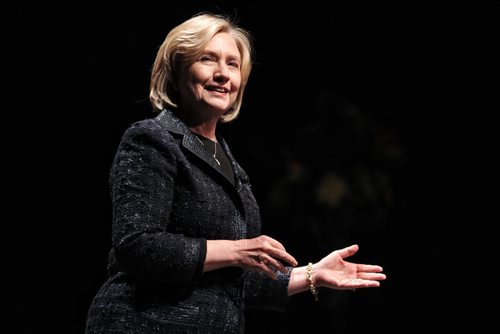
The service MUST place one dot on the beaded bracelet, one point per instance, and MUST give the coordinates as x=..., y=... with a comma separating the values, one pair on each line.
x=313, y=289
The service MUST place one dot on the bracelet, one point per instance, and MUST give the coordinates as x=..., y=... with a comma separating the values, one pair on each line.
x=313, y=289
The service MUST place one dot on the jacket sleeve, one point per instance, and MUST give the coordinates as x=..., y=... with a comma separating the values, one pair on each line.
x=263, y=292
x=142, y=184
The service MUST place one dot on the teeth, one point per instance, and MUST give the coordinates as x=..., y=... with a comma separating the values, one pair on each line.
x=220, y=90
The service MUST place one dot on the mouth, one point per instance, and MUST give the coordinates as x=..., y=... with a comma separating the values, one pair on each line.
x=217, y=89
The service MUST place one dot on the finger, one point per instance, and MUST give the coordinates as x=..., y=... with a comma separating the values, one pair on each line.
x=257, y=258
x=369, y=268
x=273, y=263
x=367, y=284
x=359, y=284
x=282, y=255
x=372, y=276
x=348, y=251
x=267, y=270
x=260, y=265
x=275, y=243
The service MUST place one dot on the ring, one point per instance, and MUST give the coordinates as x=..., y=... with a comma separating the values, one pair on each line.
x=259, y=258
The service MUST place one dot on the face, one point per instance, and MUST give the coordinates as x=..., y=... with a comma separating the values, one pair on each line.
x=212, y=82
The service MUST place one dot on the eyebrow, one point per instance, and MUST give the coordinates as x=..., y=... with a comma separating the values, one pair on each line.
x=215, y=53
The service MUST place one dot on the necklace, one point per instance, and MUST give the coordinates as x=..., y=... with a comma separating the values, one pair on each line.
x=215, y=150
x=215, y=153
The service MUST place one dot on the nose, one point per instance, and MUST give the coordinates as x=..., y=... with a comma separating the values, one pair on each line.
x=221, y=74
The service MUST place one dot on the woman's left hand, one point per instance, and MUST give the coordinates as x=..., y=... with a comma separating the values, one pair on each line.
x=334, y=272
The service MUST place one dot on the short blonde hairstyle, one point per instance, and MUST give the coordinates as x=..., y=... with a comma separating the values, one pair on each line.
x=183, y=45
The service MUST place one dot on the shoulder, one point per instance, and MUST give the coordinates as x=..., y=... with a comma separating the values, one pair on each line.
x=164, y=125
x=148, y=126
x=146, y=141
x=147, y=131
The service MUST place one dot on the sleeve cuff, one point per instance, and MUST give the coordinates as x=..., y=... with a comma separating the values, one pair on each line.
x=201, y=258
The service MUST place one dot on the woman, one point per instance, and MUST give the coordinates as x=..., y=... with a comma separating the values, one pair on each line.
x=187, y=251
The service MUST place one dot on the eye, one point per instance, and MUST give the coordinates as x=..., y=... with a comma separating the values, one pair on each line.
x=234, y=64
x=206, y=58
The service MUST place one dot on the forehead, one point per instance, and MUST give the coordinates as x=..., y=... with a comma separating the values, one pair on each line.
x=223, y=43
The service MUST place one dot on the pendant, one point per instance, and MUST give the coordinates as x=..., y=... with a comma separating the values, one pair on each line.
x=217, y=160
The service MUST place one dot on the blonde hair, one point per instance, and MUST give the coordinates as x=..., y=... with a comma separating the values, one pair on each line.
x=183, y=45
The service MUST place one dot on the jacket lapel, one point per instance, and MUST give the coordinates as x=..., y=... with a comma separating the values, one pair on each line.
x=195, y=146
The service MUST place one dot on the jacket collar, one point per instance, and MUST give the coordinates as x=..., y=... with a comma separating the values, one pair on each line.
x=173, y=124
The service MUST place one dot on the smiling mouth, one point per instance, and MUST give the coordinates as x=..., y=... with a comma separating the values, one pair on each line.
x=221, y=90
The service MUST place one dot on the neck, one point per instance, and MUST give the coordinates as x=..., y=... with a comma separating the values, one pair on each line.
x=200, y=124
x=206, y=130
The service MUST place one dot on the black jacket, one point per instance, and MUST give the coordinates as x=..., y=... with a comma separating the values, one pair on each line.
x=169, y=196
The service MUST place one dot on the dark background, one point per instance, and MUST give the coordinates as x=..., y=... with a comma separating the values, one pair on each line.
x=362, y=123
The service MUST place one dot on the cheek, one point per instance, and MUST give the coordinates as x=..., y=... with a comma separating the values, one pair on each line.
x=197, y=75
x=236, y=83
x=195, y=84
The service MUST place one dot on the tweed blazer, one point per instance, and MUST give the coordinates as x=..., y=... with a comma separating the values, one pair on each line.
x=169, y=197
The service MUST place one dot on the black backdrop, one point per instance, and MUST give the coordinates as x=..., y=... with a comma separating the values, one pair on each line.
x=367, y=123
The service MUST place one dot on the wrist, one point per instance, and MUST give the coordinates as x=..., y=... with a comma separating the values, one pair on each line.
x=236, y=247
x=311, y=275
x=220, y=254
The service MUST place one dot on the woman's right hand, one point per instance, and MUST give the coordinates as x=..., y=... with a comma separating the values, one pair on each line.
x=263, y=254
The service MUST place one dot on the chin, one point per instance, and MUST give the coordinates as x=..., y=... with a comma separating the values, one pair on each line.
x=219, y=107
